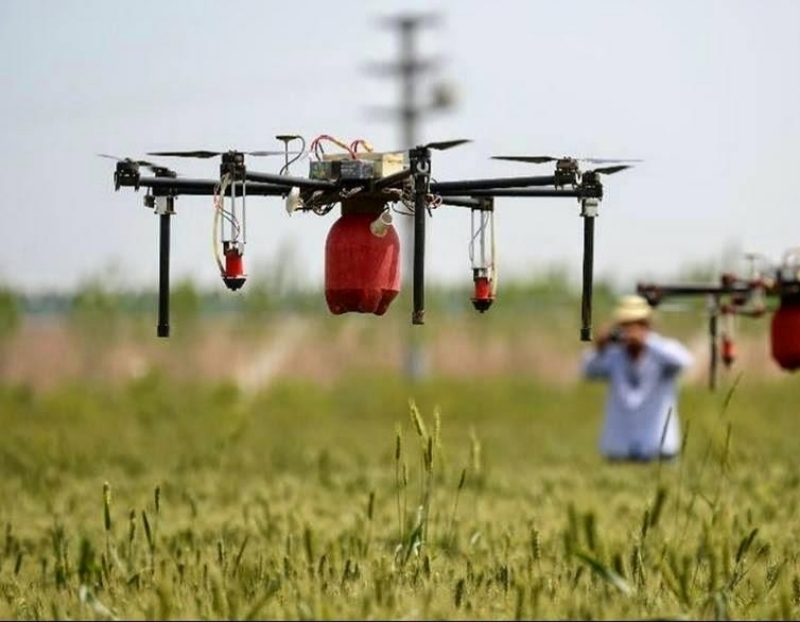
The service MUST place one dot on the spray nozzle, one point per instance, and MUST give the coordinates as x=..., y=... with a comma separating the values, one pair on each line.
x=233, y=276
x=484, y=297
x=381, y=224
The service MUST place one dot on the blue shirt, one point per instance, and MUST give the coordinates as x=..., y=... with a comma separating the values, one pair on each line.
x=642, y=397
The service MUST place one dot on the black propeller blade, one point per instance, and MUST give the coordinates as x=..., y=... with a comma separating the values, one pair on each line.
x=610, y=170
x=161, y=171
x=203, y=154
x=272, y=153
x=545, y=158
x=608, y=160
x=571, y=164
x=437, y=145
x=529, y=159
x=442, y=145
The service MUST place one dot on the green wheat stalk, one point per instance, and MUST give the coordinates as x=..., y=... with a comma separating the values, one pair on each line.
x=398, y=482
x=451, y=530
x=107, y=517
x=706, y=457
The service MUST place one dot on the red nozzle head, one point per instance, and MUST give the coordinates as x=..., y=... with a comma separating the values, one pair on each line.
x=728, y=351
x=483, y=297
x=233, y=276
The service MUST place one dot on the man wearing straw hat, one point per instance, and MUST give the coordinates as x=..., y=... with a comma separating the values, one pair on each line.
x=642, y=369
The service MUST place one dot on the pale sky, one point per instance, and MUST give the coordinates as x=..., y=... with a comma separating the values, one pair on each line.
x=707, y=93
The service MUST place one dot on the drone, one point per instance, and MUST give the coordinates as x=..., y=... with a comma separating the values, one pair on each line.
x=751, y=296
x=362, y=268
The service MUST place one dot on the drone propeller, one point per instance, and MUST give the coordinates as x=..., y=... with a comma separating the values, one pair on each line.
x=442, y=145
x=162, y=171
x=528, y=159
x=610, y=170
x=545, y=158
x=609, y=160
x=203, y=154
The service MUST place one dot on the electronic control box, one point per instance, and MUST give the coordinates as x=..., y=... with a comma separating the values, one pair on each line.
x=341, y=167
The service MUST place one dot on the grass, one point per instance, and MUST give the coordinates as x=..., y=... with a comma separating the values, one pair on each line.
x=370, y=499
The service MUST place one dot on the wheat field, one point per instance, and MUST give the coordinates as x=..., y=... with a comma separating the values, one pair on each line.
x=373, y=498
x=277, y=465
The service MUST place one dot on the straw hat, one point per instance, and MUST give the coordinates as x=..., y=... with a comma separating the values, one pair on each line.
x=632, y=309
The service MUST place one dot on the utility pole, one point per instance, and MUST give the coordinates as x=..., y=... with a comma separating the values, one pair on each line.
x=409, y=69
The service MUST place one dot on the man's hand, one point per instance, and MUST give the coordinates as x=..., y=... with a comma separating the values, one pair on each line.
x=603, y=336
x=634, y=334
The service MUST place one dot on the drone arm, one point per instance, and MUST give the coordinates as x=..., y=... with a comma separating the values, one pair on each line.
x=515, y=192
x=464, y=186
x=465, y=202
x=207, y=189
x=165, y=186
x=656, y=293
x=287, y=182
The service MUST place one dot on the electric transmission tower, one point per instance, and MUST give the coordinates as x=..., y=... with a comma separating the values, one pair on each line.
x=410, y=69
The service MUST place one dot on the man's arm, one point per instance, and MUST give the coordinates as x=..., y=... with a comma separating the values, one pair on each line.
x=672, y=355
x=596, y=362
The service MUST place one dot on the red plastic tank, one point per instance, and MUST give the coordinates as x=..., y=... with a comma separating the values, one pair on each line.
x=785, y=336
x=362, y=270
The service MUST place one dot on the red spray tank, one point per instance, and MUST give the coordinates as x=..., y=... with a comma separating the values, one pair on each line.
x=785, y=324
x=362, y=262
x=785, y=334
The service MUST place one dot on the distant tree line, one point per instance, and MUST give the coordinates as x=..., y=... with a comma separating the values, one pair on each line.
x=99, y=305
x=93, y=299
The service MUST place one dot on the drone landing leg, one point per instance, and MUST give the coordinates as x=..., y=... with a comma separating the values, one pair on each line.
x=713, y=333
x=712, y=371
x=421, y=169
x=589, y=212
x=165, y=214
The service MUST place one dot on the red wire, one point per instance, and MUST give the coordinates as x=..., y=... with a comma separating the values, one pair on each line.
x=316, y=143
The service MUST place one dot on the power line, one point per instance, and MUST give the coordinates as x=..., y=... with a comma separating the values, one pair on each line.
x=410, y=68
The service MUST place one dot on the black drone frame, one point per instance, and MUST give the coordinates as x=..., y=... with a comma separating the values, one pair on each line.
x=478, y=194
x=731, y=296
